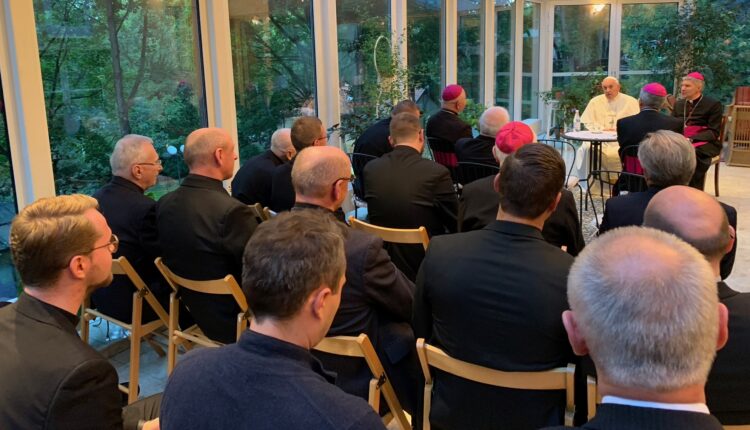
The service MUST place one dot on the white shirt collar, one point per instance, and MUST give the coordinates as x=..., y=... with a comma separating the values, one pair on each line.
x=688, y=407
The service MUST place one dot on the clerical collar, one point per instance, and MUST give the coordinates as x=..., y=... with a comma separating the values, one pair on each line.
x=688, y=407
x=449, y=111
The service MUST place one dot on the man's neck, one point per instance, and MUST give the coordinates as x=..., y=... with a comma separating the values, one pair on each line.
x=331, y=206
x=537, y=222
x=685, y=395
x=207, y=172
x=133, y=180
x=449, y=108
x=288, y=331
x=412, y=145
x=67, y=298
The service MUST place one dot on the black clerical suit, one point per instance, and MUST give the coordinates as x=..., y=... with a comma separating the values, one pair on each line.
x=50, y=378
x=131, y=216
x=446, y=127
x=374, y=140
x=631, y=130
x=705, y=112
x=729, y=381
x=252, y=183
x=627, y=210
x=479, y=203
x=623, y=417
x=282, y=189
x=202, y=235
x=404, y=190
x=494, y=297
x=476, y=150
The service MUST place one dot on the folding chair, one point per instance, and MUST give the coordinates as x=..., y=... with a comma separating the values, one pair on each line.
x=394, y=235
x=194, y=335
x=468, y=172
x=261, y=214
x=556, y=379
x=361, y=347
x=608, y=178
x=138, y=331
x=738, y=427
x=716, y=161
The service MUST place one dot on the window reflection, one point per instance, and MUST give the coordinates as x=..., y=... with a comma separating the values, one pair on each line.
x=470, y=58
x=504, y=24
x=425, y=44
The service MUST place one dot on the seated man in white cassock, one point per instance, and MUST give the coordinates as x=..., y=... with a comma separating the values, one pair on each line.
x=602, y=113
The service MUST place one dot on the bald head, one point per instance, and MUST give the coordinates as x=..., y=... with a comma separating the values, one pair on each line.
x=201, y=144
x=281, y=144
x=611, y=87
x=317, y=170
x=692, y=215
x=492, y=120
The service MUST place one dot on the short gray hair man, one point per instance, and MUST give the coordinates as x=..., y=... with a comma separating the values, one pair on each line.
x=667, y=158
x=492, y=120
x=128, y=151
x=281, y=144
x=650, y=318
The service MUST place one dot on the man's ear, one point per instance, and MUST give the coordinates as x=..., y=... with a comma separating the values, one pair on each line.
x=574, y=335
x=136, y=171
x=496, y=183
x=723, y=327
x=217, y=155
x=318, y=301
x=732, y=238
x=78, y=266
x=556, y=202
x=390, y=140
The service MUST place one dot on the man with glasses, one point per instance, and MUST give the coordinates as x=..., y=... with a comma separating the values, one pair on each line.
x=135, y=168
x=62, y=249
x=306, y=131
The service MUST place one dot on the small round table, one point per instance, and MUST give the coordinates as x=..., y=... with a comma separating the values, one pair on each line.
x=596, y=139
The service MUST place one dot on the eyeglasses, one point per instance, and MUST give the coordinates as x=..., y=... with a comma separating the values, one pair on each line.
x=320, y=138
x=113, y=245
x=350, y=179
x=155, y=163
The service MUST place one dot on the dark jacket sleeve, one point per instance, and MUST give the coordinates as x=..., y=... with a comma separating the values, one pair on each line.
x=446, y=200
x=385, y=285
x=239, y=225
x=605, y=225
x=422, y=313
x=87, y=398
x=714, y=124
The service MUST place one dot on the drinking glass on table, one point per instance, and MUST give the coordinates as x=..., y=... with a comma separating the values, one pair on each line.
x=611, y=117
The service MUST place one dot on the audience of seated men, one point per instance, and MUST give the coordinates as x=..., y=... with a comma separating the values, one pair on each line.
x=377, y=298
x=252, y=183
x=293, y=277
x=62, y=249
x=306, y=131
x=130, y=214
x=698, y=219
x=479, y=149
x=404, y=190
x=667, y=159
x=479, y=200
x=203, y=230
x=493, y=297
x=651, y=321
x=444, y=128
x=701, y=116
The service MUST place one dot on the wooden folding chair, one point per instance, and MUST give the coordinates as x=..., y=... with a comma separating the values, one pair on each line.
x=261, y=214
x=738, y=427
x=361, y=347
x=193, y=335
x=556, y=379
x=122, y=267
x=394, y=235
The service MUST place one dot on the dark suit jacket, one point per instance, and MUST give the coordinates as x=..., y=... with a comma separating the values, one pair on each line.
x=479, y=203
x=626, y=210
x=494, y=297
x=282, y=189
x=631, y=130
x=50, y=378
x=705, y=112
x=448, y=128
x=729, y=381
x=621, y=417
x=374, y=140
x=202, y=235
x=476, y=150
x=404, y=190
x=252, y=183
x=131, y=216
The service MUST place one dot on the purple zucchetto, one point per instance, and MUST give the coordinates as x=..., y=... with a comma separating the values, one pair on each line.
x=656, y=89
x=451, y=92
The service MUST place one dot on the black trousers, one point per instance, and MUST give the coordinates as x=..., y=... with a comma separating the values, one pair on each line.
x=145, y=409
x=703, y=156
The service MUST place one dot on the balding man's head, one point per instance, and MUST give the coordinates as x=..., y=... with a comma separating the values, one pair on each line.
x=611, y=87
x=307, y=131
x=317, y=172
x=210, y=152
x=667, y=158
x=492, y=120
x=692, y=215
x=281, y=144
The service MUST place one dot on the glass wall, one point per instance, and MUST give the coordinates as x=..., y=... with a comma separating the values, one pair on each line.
x=368, y=79
x=273, y=57
x=530, y=70
x=639, y=23
x=112, y=68
x=470, y=58
x=504, y=25
x=425, y=43
x=9, y=282
x=581, y=42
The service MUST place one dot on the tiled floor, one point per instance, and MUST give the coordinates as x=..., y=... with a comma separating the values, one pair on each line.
x=733, y=189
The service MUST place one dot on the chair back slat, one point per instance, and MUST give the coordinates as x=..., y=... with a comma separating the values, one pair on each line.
x=468, y=172
x=259, y=213
x=121, y=266
x=341, y=345
x=224, y=286
x=394, y=235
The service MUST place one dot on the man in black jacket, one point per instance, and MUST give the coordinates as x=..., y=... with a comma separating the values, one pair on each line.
x=252, y=183
x=698, y=219
x=404, y=190
x=444, y=127
x=479, y=149
x=493, y=297
x=377, y=298
x=203, y=230
x=62, y=248
x=643, y=305
x=631, y=130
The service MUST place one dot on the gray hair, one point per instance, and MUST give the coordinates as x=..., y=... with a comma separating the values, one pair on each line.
x=492, y=120
x=281, y=140
x=128, y=151
x=650, y=316
x=667, y=158
x=651, y=101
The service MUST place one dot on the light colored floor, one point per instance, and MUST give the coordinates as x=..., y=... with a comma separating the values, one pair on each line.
x=734, y=190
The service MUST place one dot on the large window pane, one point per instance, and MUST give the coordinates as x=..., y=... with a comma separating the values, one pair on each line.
x=112, y=68
x=504, y=25
x=8, y=208
x=366, y=64
x=530, y=71
x=640, y=22
x=470, y=58
x=425, y=42
x=581, y=41
x=274, y=67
